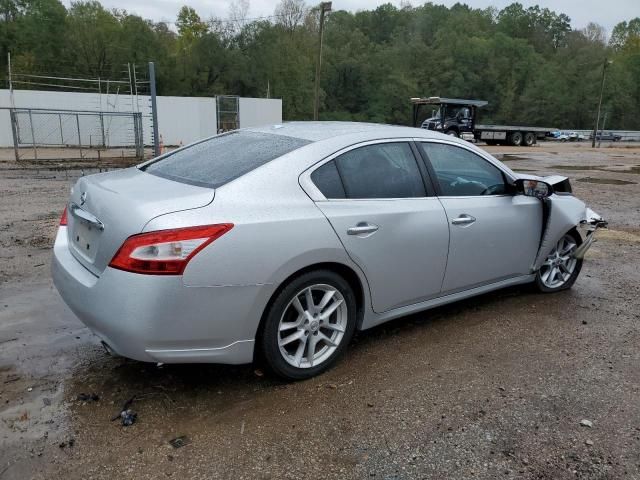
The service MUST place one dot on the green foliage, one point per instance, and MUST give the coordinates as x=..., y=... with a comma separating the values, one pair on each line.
x=527, y=62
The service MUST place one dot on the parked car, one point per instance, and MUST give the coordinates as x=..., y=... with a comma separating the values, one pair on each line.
x=567, y=136
x=279, y=242
x=607, y=136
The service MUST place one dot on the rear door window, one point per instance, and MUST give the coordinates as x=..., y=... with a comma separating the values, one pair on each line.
x=218, y=160
x=384, y=170
x=328, y=181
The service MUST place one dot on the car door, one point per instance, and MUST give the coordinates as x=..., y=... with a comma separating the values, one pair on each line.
x=494, y=234
x=388, y=219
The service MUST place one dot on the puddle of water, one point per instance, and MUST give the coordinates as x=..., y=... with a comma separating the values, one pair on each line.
x=606, y=181
x=579, y=167
x=635, y=169
x=508, y=157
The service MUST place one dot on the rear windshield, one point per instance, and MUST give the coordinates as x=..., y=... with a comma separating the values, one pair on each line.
x=218, y=160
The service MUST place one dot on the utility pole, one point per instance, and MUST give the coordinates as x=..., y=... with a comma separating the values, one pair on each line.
x=604, y=121
x=606, y=63
x=325, y=7
x=154, y=109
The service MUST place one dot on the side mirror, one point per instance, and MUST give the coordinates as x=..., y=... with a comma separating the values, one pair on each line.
x=533, y=188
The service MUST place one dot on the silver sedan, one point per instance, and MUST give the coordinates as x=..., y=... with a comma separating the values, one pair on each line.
x=277, y=243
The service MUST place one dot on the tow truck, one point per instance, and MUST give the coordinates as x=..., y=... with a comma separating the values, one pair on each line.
x=457, y=117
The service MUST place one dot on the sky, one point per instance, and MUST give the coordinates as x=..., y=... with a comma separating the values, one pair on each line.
x=605, y=12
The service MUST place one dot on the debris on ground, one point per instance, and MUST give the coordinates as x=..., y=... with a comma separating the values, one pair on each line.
x=586, y=423
x=13, y=378
x=127, y=416
x=258, y=372
x=46, y=401
x=67, y=443
x=180, y=441
x=88, y=397
x=588, y=442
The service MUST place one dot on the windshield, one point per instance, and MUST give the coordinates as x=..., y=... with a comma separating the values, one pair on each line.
x=218, y=160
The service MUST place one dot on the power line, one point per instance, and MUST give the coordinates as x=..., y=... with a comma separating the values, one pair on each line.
x=46, y=77
x=57, y=85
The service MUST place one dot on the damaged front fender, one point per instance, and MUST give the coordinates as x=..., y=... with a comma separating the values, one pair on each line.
x=587, y=227
x=562, y=214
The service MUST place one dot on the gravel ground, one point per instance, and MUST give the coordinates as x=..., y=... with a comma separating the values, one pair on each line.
x=492, y=387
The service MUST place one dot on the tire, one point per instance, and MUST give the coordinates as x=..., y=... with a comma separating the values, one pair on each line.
x=453, y=133
x=515, y=139
x=529, y=139
x=569, y=269
x=290, y=318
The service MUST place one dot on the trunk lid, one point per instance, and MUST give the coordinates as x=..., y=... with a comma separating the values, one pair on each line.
x=107, y=208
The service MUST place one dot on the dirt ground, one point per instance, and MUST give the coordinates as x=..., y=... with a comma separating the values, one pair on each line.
x=493, y=387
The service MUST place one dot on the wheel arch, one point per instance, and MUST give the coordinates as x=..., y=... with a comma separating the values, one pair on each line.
x=354, y=280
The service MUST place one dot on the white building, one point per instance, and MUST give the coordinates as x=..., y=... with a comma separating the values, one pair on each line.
x=181, y=120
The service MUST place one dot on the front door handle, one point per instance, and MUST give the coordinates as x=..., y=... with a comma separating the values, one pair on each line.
x=363, y=228
x=464, y=219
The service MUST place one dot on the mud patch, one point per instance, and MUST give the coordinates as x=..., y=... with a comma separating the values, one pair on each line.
x=634, y=169
x=41, y=241
x=510, y=157
x=606, y=181
x=619, y=235
x=579, y=167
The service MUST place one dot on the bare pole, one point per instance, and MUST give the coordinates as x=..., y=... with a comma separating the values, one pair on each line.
x=595, y=128
x=12, y=112
x=324, y=8
x=135, y=86
x=13, y=102
x=33, y=136
x=604, y=121
x=130, y=85
x=154, y=109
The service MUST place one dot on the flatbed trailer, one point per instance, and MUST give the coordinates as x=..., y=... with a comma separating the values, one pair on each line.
x=457, y=117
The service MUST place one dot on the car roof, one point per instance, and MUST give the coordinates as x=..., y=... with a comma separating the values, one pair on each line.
x=318, y=131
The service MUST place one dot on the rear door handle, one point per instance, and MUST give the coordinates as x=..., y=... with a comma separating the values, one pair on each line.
x=363, y=228
x=464, y=219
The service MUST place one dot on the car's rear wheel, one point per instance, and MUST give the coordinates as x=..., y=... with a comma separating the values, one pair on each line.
x=560, y=269
x=309, y=325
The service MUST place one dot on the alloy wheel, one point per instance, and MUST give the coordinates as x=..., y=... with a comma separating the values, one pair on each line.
x=559, y=264
x=312, y=326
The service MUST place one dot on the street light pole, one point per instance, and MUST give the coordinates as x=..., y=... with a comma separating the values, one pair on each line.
x=597, y=124
x=324, y=8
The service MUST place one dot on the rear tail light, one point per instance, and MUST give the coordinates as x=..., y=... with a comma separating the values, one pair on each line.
x=165, y=252
x=63, y=218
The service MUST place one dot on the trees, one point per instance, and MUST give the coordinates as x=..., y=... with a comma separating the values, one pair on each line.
x=527, y=62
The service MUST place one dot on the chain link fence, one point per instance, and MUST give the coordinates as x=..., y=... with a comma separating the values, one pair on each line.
x=60, y=134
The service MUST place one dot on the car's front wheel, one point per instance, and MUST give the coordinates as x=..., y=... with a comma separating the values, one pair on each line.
x=309, y=325
x=560, y=269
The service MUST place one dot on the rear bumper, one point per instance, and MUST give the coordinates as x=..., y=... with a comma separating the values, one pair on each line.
x=158, y=319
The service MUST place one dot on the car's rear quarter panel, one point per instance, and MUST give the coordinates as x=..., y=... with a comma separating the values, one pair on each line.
x=277, y=230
